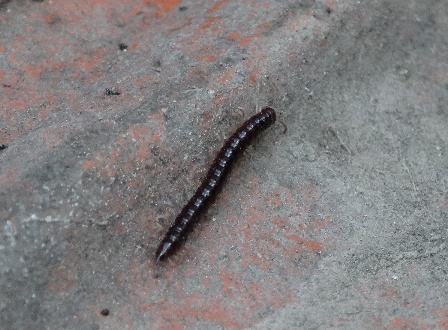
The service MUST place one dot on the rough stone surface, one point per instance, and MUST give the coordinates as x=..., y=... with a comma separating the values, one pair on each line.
x=111, y=112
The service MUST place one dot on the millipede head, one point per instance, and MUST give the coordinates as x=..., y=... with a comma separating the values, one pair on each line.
x=270, y=113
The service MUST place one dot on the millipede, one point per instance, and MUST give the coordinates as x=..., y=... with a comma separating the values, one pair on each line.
x=213, y=181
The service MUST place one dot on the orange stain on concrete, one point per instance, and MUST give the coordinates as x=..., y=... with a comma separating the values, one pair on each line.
x=158, y=116
x=151, y=133
x=4, y=214
x=310, y=245
x=44, y=114
x=138, y=131
x=276, y=201
x=321, y=224
x=207, y=118
x=195, y=42
x=208, y=22
x=120, y=228
x=143, y=151
x=191, y=308
x=196, y=71
x=88, y=62
x=235, y=36
x=259, y=236
x=17, y=44
x=281, y=222
x=219, y=4
x=389, y=293
x=208, y=58
x=257, y=249
x=227, y=75
x=125, y=13
x=251, y=64
x=230, y=283
x=243, y=42
x=405, y=323
x=51, y=18
x=253, y=77
x=309, y=193
x=18, y=104
x=133, y=183
x=110, y=172
x=89, y=165
x=10, y=176
x=129, y=153
x=442, y=324
x=163, y=6
x=114, y=156
x=443, y=313
x=442, y=316
x=52, y=138
x=220, y=100
x=156, y=138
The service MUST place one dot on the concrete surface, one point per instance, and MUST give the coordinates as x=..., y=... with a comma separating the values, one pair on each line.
x=341, y=222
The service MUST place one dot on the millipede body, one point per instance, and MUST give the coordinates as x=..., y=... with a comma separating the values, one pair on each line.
x=212, y=182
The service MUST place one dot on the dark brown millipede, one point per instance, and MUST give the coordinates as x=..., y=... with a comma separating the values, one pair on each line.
x=213, y=180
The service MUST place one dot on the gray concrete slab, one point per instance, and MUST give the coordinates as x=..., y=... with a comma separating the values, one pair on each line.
x=338, y=221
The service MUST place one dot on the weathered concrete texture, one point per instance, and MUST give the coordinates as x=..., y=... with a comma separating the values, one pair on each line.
x=339, y=222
